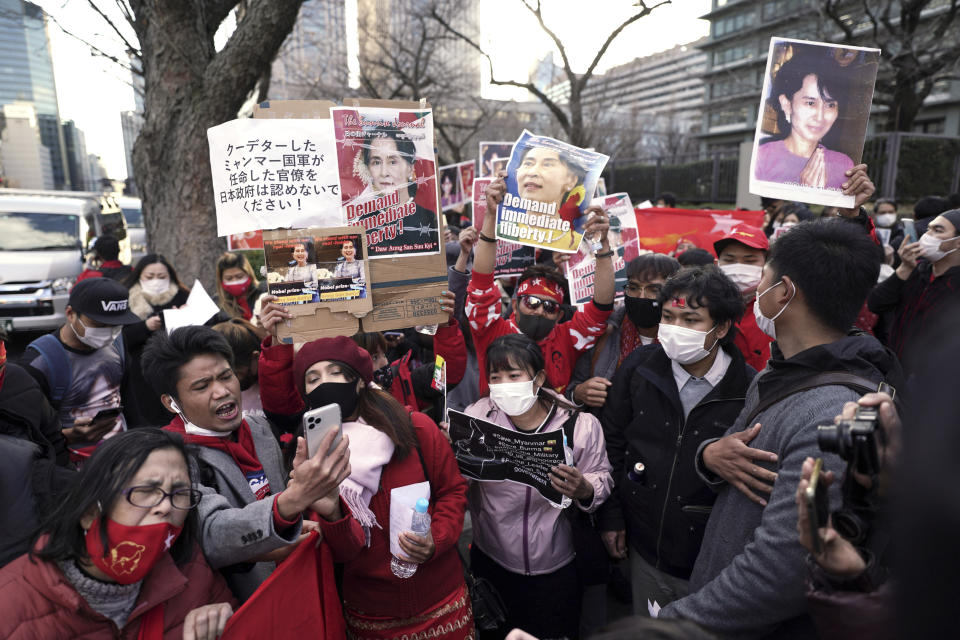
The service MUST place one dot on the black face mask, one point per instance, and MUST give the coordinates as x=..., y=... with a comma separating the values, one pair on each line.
x=535, y=327
x=341, y=393
x=642, y=312
x=384, y=377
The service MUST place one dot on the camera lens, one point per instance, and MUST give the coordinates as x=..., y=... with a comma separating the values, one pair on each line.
x=828, y=438
x=849, y=525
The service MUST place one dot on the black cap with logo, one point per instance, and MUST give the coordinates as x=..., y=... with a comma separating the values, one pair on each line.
x=103, y=300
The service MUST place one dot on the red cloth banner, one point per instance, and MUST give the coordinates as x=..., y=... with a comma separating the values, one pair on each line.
x=662, y=229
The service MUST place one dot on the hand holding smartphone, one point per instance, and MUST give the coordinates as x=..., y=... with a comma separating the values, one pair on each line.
x=317, y=423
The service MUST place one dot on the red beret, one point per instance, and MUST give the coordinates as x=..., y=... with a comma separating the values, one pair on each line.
x=341, y=349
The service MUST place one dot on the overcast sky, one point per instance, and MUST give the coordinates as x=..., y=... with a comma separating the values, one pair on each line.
x=93, y=90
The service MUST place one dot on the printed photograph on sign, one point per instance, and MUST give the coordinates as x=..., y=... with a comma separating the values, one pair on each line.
x=316, y=268
x=623, y=240
x=468, y=171
x=812, y=121
x=388, y=178
x=549, y=184
x=247, y=241
x=273, y=174
x=451, y=193
x=512, y=258
x=494, y=157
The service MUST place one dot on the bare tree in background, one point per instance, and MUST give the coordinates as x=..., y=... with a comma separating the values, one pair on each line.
x=189, y=87
x=920, y=40
x=570, y=116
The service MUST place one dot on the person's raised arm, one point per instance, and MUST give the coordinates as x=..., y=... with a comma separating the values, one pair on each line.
x=604, y=286
x=859, y=185
x=468, y=238
x=485, y=253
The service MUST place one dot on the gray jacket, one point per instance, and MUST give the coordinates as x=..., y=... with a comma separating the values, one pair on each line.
x=603, y=364
x=234, y=525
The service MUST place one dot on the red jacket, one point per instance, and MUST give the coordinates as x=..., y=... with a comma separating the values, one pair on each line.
x=753, y=343
x=560, y=349
x=368, y=583
x=37, y=601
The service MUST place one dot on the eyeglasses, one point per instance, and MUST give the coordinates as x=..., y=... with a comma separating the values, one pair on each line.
x=535, y=302
x=649, y=291
x=147, y=497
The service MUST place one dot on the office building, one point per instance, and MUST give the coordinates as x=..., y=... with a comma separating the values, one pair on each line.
x=26, y=161
x=76, y=151
x=312, y=63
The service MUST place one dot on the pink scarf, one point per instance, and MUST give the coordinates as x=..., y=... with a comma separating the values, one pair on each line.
x=370, y=450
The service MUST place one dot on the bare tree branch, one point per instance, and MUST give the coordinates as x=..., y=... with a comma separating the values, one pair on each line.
x=112, y=25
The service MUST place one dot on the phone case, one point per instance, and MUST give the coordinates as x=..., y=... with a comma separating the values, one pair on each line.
x=316, y=424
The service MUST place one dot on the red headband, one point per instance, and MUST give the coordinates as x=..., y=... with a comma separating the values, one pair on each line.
x=540, y=287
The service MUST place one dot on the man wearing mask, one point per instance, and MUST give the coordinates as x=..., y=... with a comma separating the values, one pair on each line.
x=925, y=283
x=741, y=255
x=748, y=580
x=82, y=366
x=629, y=327
x=888, y=228
x=250, y=513
x=537, y=300
x=666, y=399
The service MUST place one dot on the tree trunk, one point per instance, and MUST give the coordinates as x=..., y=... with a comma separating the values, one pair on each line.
x=189, y=87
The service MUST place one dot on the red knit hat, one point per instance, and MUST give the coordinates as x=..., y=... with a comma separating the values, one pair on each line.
x=342, y=349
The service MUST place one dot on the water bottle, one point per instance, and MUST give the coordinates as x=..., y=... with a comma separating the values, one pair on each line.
x=419, y=525
x=638, y=474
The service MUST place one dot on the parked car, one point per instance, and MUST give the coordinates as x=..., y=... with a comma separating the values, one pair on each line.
x=43, y=239
x=136, y=230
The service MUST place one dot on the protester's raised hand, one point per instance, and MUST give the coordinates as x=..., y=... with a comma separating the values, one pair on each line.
x=448, y=302
x=858, y=184
x=616, y=543
x=154, y=322
x=909, y=253
x=814, y=173
x=206, y=622
x=314, y=478
x=734, y=460
x=837, y=556
x=559, y=259
x=416, y=548
x=495, y=192
x=468, y=238
x=272, y=314
x=571, y=483
x=597, y=226
x=592, y=392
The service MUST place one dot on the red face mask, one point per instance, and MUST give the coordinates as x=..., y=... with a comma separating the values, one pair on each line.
x=132, y=550
x=238, y=288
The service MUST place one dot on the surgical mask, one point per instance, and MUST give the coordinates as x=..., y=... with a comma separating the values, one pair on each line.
x=745, y=276
x=237, y=288
x=132, y=551
x=533, y=326
x=339, y=393
x=384, y=377
x=155, y=286
x=682, y=344
x=513, y=398
x=643, y=312
x=764, y=323
x=96, y=337
x=930, y=247
x=885, y=219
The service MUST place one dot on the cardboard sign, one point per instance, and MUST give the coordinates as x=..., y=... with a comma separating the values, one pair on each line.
x=269, y=174
x=487, y=452
x=317, y=265
x=549, y=184
x=812, y=121
x=622, y=237
x=512, y=258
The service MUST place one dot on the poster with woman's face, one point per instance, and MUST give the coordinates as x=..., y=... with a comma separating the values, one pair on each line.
x=451, y=192
x=388, y=178
x=549, y=187
x=812, y=121
x=316, y=267
x=493, y=157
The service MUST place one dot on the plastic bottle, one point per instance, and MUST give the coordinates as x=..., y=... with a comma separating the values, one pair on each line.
x=638, y=473
x=419, y=525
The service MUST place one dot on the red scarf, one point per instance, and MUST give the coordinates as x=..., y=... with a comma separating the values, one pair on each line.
x=629, y=339
x=243, y=452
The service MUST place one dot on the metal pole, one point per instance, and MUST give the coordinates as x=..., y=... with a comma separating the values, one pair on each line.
x=656, y=181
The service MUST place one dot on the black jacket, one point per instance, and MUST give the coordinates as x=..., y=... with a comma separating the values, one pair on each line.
x=643, y=421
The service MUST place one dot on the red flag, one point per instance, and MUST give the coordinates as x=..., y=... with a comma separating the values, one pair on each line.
x=298, y=600
x=661, y=229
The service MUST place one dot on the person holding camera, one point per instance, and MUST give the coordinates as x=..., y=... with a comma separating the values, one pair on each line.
x=848, y=576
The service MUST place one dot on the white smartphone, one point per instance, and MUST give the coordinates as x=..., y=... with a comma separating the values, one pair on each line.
x=316, y=424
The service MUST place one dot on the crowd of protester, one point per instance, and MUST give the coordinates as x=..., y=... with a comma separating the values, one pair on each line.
x=153, y=481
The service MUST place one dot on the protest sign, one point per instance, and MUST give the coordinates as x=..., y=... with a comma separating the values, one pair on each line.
x=451, y=191
x=468, y=171
x=512, y=258
x=487, y=452
x=198, y=308
x=388, y=176
x=813, y=120
x=549, y=183
x=661, y=229
x=494, y=157
x=316, y=265
x=247, y=241
x=270, y=174
x=601, y=187
x=623, y=241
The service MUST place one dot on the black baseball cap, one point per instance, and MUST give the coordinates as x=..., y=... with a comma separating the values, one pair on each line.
x=103, y=300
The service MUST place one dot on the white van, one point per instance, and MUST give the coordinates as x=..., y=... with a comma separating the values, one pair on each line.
x=43, y=237
x=136, y=231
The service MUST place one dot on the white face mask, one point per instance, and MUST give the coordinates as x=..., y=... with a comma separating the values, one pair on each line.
x=513, y=398
x=763, y=322
x=155, y=286
x=885, y=220
x=930, y=247
x=96, y=337
x=193, y=429
x=745, y=276
x=682, y=344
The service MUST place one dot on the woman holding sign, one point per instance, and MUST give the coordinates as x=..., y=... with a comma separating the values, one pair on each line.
x=522, y=542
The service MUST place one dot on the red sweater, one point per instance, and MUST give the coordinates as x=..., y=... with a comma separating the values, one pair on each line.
x=753, y=343
x=368, y=583
x=37, y=601
x=560, y=349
